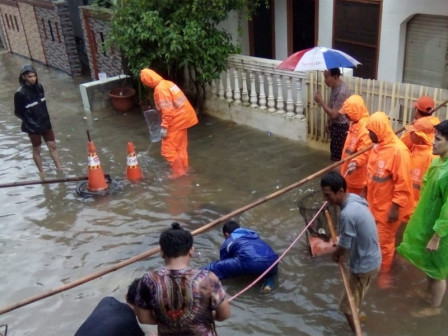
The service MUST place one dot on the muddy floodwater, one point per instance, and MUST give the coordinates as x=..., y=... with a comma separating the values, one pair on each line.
x=49, y=236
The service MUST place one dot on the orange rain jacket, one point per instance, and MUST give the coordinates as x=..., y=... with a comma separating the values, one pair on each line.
x=176, y=111
x=357, y=139
x=388, y=181
x=406, y=137
x=421, y=158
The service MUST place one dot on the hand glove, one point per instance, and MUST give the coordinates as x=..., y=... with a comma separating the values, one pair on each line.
x=163, y=132
x=351, y=167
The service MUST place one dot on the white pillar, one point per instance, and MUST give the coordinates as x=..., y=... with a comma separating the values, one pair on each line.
x=253, y=92
x=236, y=89
x=262, y=94
x=280, y=101
x=244, y=93
x=299, y=102
x=289, y=102
x=229, y=97
x=271, y=98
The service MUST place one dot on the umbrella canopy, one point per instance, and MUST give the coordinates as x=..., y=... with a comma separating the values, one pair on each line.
x=317, y=58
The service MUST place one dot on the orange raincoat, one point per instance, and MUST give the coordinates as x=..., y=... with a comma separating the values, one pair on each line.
x=357, y=139
x=406, y=137
x=388, y=181
x=177, y=116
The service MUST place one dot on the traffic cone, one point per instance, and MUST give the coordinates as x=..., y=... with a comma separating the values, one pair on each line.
x=133, y=171
x=96, y=179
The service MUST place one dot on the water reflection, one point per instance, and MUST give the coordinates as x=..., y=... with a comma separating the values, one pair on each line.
x=49, y=236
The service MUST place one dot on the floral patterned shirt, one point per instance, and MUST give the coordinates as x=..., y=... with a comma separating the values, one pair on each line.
x=182, y=300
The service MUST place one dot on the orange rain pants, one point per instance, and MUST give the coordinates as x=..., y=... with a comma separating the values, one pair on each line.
x=388, y=181
x=174, y=150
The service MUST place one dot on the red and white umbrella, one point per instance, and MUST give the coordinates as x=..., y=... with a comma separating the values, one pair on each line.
x=317, y=58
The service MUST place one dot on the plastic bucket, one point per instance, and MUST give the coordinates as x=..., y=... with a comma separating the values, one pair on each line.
x=152, y=118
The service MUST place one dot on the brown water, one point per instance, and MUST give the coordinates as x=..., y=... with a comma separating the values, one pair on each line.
x=49, y=236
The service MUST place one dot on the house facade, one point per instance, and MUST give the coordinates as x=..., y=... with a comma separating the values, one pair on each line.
x=395, y=40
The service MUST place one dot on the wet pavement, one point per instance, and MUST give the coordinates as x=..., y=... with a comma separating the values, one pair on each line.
x=49, y=236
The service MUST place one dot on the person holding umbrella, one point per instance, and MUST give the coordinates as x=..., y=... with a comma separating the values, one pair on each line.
x=338, y=123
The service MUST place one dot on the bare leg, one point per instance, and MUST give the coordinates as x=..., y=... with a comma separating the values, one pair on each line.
x=54, y=154
x=438, y=289
x=37, y=158
x=350, y=321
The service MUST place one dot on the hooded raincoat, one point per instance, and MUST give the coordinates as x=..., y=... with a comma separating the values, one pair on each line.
x=388, y=181
x=406, y=137
x=421, y=158
x=243, y=253
x=30, y=105
x=177, y=116
x=357, y=139
x=429, y=217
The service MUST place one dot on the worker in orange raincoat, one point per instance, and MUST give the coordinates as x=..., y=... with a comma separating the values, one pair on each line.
x=422, y=134
x=355, y=171
x=423, y=108
x=177, y=116
x=389, y=188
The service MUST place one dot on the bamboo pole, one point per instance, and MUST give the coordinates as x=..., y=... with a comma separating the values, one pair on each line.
x=155, y=250
x=351, y=299
x=68, y=179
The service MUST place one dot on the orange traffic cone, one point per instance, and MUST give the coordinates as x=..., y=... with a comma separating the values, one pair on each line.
x=96, y=179
x=133, y=171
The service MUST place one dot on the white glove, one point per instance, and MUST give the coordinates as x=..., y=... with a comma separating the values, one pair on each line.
x=351, y=167
x=163, y=132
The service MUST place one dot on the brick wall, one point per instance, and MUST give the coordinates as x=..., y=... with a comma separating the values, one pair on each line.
x=96, y=26
x=31, y=30
x=42, y=31
x=13, y=29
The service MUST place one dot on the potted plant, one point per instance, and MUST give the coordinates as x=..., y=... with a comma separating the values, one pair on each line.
x=123, y=98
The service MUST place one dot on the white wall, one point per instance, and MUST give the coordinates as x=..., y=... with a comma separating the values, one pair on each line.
x=281, y=30
x=395, y=15
x=231, y=26
x=325, y=34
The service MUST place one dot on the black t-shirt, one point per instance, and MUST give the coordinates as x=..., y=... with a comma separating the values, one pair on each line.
x=111, y=318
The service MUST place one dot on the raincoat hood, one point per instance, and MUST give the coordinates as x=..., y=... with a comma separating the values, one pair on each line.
x=379, y=124
x=26, y=68
x=242, y=232
x=354, y=108
x=150, y=78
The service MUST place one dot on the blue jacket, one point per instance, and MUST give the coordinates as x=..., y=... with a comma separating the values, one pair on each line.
x=243, y=253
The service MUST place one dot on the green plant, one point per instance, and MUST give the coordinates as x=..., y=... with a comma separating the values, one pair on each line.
x=172, y=35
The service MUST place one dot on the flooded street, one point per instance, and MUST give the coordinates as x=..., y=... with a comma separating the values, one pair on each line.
x=49, y=236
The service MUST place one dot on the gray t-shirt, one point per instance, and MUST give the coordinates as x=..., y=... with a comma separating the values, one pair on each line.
x=358, y=232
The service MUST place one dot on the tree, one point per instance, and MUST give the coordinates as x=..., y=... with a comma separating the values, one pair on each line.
x=172, y=35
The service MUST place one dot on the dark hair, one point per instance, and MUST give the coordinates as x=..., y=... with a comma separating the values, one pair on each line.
x=230, y=226
x=334, y=180
x=132, y=291
x=175, y=242
x=335, y=72
x=442, y=128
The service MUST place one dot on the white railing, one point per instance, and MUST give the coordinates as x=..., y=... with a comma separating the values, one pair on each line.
x=254, y=82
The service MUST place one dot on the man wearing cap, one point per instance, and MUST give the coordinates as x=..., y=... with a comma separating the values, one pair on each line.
x=422, y=136
x=425, y=240
x=423, y=108
x=30, y=106
x=355, y=171
x=177, y=116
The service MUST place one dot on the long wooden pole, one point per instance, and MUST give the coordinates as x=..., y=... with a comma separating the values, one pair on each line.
x=155, y=250
x=68, y=179
x=351, y=299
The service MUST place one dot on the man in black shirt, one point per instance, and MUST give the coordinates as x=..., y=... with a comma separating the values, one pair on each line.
x=30, y=107
x=114, y=318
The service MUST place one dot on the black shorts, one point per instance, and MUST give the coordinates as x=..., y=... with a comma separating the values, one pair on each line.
x=36, y=139
x=338, y=134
